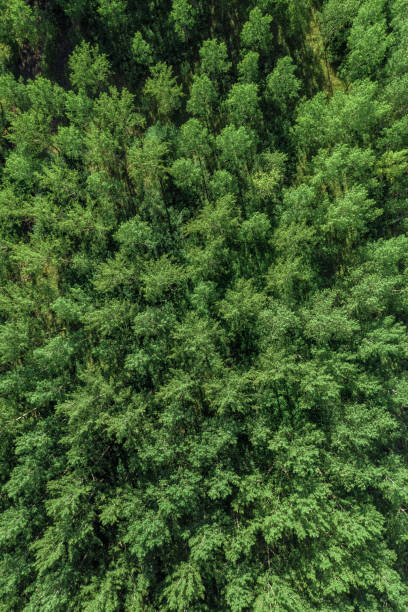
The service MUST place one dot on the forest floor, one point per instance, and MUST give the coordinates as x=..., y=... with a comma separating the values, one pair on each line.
x=314, y=37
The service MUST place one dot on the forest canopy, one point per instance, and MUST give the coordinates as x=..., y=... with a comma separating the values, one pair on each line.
x=203, y=305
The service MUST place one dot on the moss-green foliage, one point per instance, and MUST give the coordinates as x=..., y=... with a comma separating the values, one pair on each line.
x=203, y=306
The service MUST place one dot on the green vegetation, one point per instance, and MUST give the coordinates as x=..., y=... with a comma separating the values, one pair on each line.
x=203, y=305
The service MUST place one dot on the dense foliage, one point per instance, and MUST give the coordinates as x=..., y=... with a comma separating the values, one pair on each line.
x=203, y=305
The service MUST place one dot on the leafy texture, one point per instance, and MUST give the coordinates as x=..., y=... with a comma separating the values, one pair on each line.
x=203, y=306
